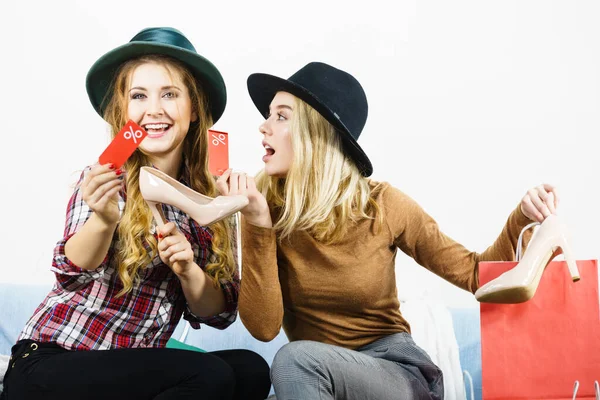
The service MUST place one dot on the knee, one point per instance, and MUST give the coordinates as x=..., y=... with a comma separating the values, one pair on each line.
x=295, y=356
x=253, y=365
x=217, y=374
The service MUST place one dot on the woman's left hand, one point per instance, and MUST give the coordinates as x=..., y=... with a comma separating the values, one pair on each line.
x=540, y=202
x=174, y=249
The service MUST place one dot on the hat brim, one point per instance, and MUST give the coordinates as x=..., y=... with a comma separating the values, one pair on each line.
x=101, y=74
x=263, y=88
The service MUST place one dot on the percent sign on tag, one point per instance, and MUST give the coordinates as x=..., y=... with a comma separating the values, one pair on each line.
x=218, y=152
x=123, y=145
x=131, y=134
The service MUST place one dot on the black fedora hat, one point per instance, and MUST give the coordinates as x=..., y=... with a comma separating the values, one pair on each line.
x=334, y=93
x=163, y=41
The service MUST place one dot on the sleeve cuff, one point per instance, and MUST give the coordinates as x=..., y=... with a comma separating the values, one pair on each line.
x=219, y=321
x=256, y=235
x=70, y=276
x=63, y=265
x=521, y=219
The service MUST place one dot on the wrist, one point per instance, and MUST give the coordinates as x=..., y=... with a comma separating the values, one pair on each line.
x=262, y=220
x=103, y=225
x=189, y=273
x=528, y=217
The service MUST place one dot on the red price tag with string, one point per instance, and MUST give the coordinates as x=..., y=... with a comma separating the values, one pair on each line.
x=218, y=152
x=123, y=145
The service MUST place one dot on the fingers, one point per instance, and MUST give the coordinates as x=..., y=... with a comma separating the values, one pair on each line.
x=530, y=210
x=184, y=256
x=102, y=173
x=222, y=185
x=251, y=184
x=102, y=194
x=110, y=195
x=540, y=202
x=174, y=246
x=233, y=183
x=167, y=230
x=549, y=201
x=554, y=191
x=549, y=195
x=97, y=178
x=99, y=169
x=538, y=199
x=171, y=245
x=242, y=184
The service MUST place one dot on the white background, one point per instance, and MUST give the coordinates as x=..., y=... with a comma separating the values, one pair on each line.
x=471, y=103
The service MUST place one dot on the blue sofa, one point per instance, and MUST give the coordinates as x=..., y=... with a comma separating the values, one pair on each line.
x=18, y=301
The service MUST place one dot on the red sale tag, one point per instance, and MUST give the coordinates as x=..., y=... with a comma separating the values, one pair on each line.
x=218, y=152
x=123, y=145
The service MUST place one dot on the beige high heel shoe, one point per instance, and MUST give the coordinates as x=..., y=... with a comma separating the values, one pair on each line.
x=157, y=187
x=520, y=283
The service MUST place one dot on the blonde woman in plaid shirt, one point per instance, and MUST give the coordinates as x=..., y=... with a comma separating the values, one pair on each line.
x=122, y=285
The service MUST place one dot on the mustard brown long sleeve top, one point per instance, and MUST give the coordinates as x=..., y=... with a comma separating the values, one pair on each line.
x=345, y=293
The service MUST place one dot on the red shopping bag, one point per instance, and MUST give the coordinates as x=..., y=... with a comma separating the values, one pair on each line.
x=538, y=349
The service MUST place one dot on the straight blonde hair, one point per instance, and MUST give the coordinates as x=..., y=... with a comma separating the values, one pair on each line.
x=323, y=192
x=136, y=245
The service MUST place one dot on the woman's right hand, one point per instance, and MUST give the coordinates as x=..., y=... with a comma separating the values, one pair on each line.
x=100, y=189
x=257, y=210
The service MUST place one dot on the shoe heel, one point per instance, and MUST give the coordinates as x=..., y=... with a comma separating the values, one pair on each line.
x=156, y=212
x=571, y=263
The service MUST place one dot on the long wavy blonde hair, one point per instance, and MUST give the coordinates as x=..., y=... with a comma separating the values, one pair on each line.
x=136, y=245
x=323, y=192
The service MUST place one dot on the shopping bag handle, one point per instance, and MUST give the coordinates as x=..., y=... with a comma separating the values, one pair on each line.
x=518, y=252
x=470, y=379
x=596, y=390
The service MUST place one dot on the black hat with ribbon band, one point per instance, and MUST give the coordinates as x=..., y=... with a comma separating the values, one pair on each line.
x=334, y=93
x=161, y=41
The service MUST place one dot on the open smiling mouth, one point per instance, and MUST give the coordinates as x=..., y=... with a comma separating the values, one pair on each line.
x=156, y=129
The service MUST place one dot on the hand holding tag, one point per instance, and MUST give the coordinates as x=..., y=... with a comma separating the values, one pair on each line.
x=123, y=145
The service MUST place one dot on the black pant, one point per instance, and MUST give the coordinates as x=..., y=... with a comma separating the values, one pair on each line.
x=47, y=371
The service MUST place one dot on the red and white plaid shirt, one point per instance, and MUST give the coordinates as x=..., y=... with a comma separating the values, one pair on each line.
x=82, y=312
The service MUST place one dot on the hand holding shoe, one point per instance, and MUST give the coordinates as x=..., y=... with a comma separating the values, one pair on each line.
x=540, y=202
x=174, y=249
x=234, y=183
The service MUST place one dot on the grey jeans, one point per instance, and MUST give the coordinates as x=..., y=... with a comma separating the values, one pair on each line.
x=391, y=368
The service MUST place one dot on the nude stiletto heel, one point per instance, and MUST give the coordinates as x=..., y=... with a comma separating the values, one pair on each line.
x=156, y=212
x=157, y=187
x=520, y=283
